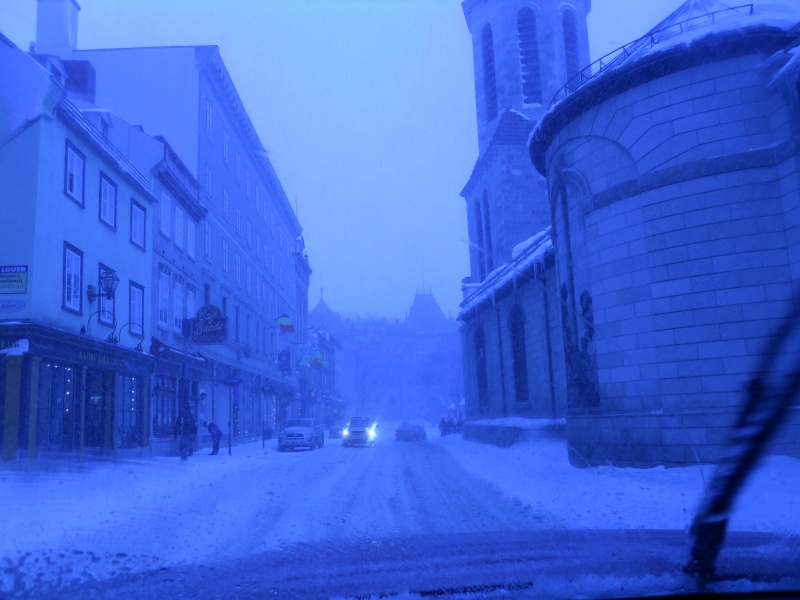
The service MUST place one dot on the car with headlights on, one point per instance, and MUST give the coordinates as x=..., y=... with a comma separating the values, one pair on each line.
x=360, y=431
x=410, y=432
x=336, y=429
x=302, y=432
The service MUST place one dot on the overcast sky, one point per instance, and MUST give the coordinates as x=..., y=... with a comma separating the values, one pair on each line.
x=367, y=110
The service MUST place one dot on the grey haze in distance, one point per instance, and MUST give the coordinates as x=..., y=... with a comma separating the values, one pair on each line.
x=367, y=110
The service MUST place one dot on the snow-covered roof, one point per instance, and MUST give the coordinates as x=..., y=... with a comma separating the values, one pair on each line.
x=74, y=117
x=526, y=256
x=693, y=20
x=513, y=129
x=697, y=26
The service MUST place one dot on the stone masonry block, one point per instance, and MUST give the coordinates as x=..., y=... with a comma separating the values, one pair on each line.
x=677, y=352
x=722, y=349
x=671, y=288
x=692, y=301
x=715, y=281
x=701, y=368
x=692, y=335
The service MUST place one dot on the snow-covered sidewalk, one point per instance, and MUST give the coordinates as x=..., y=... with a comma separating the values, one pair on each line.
x=537, y=473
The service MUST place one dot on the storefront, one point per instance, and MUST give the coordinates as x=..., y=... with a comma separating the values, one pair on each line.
x=179, y=379
x=62, y=392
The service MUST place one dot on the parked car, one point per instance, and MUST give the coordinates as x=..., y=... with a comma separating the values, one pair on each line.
x=303, y=432
x=360, y=431
x=410, y=432
x=336, y=429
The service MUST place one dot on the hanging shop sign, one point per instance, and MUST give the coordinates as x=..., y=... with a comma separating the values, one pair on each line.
x=285, y=360
x=13, y=279
x=209, y=326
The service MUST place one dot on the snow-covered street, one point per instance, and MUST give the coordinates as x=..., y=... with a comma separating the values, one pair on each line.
x=91, y=521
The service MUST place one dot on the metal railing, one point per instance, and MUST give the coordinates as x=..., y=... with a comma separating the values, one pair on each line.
x=647, y=41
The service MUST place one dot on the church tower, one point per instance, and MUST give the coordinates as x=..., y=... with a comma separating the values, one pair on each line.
x=524, y=52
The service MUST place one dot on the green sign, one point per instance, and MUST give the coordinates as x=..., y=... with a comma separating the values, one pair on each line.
x=13, y=279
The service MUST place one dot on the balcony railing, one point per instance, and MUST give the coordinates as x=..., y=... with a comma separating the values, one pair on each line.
x=618, y=56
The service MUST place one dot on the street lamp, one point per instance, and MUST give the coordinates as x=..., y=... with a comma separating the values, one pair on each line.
x=108, y=286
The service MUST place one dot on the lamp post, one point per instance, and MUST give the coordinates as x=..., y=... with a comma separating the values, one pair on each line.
x=109, y=281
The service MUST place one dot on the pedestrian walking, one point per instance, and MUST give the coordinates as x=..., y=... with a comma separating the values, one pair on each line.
x=442, y=427
x=216, y=434
x=183, y=433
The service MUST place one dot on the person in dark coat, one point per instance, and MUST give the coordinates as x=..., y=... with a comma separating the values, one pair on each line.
x=183, y=430
x=216, y=434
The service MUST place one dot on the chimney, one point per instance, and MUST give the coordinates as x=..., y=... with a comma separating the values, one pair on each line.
x=57, y=27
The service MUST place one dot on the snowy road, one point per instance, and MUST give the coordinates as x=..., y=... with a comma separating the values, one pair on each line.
x=400, y=516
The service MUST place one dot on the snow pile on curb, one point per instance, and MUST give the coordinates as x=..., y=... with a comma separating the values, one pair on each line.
x=537, y=473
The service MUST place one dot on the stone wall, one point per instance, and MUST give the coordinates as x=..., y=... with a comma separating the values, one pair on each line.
x=675, y=207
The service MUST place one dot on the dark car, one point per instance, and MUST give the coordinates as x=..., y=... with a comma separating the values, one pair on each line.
x=336, y=429
x=360, y=431
x=303, y=432
x=410, y=432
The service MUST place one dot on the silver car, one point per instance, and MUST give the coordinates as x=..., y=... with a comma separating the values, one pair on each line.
x=303, y=432
x=360, y=431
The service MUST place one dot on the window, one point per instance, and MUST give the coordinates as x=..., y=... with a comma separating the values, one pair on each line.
x=108, y=201
x=480, y=362
x=136, y=309
x=208, y=180
x=238, y=165
x=225, y=146
x=258, y=245
x=481, y=251
x=258, y=200
x=107, y=310
x=209, y=118
x=225, y=202
x=73, y=173
x=225, y=255
x=248, y=278
x=191, y=307
x=238, y=220
x=529, y=57
x=179, y=227
x=238, y=269
x=177, y=307
x=519, y=356
x=137, y=224
x=249, y=234
x=258, y=288
x=272, y=264
x=165, y=214
x=488, y=250
x=206, y=293
x=73, y=278
x=207, y=244
x=489, y=84
x=236, y=324
x=190, y=238
x=247, y=183
x=163, y=298
x=570, y=27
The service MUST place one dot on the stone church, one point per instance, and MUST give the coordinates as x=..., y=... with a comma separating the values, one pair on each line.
x=633, y=224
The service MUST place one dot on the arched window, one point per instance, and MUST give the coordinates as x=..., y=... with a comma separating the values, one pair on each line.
x=489, y=83
x=479, y=236
x=529, y=57
x=480, y=363
x=570, y=26
x=487, y=236
x=516, y=327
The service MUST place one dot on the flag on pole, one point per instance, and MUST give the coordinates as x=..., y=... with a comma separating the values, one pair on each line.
x=285, y=323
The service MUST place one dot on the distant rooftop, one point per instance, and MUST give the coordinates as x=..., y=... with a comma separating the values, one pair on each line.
x=425, y=315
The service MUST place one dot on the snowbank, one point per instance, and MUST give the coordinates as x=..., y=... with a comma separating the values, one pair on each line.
x=537, y=474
